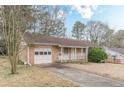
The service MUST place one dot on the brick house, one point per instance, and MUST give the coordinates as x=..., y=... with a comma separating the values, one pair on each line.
x=38, y=49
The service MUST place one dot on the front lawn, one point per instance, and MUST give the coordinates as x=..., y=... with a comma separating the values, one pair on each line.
x=115, y=71
x=29, y=76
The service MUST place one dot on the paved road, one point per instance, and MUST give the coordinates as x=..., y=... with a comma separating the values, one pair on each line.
x=85, y=79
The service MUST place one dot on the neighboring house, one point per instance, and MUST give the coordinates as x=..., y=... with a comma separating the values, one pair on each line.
x=115, y=55
x=38, y=49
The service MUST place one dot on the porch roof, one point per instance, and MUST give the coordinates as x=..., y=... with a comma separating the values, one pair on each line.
x=51, y=40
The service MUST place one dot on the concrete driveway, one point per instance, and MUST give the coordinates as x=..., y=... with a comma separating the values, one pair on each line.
x=83, y=78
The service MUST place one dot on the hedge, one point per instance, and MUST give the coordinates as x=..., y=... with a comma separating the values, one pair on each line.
x=96, y=55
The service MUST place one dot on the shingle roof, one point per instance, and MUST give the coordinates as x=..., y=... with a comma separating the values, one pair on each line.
x=41, y=39
x=119, y=50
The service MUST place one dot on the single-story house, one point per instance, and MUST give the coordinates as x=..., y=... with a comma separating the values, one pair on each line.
x=115, y=55
x=38, y=49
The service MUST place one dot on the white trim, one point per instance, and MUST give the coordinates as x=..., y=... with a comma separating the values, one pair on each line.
x=44, y=44
x=59, y=45
x=73, y=46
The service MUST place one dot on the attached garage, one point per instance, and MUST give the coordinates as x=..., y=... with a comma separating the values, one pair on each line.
x=42, y=55
x=41, y=49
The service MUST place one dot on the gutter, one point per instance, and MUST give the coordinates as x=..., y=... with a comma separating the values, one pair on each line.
x=60, y=45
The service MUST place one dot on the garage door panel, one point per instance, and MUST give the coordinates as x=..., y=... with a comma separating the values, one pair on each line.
x=43, y=55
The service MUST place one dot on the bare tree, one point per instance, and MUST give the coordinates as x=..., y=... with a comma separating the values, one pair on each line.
x=116, y=40
x=15, y=21
x=97, y=32
x=51, y=21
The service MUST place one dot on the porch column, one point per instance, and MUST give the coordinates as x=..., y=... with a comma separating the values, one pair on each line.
x=82, y=54
x=86, y=54
x=75, y=53
x=61, y=54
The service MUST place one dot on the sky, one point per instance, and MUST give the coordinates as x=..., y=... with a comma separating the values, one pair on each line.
x=112, y=15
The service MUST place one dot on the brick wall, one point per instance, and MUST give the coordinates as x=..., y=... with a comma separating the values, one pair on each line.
x=55, y=53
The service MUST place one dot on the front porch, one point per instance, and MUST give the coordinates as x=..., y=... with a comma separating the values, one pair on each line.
x=72, y=54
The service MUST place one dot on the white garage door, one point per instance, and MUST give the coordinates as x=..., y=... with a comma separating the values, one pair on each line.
x=43, y=55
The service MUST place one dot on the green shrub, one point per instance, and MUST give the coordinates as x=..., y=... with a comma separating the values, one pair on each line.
x=96, y=55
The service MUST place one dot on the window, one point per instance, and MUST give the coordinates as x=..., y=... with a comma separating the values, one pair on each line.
x=36, y=53
x=49, y=53
x=45, y=53
x=41, y=53
x=84, y=50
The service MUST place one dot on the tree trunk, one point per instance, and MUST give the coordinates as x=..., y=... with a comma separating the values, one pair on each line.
x=13, y=62
x=13, y=69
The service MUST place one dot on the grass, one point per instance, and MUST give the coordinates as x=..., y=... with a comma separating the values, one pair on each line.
x=115, y=71
x=30, y=76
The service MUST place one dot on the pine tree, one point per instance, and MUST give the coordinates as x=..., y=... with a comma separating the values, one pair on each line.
x=77, y=31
